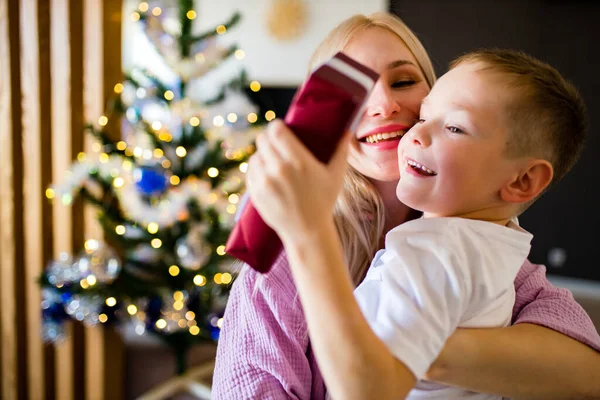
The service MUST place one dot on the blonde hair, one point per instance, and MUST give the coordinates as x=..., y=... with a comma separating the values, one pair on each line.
x=359, y=211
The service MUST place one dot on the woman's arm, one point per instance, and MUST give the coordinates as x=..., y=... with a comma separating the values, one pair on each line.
x=262, y=351
x=524, y=361
x=295, y=195
x=543, y=358
x=354, y=362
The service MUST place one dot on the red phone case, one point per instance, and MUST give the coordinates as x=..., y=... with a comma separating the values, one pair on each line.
x=328, y=104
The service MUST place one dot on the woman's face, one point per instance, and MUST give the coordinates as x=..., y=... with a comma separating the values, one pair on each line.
x=393, y=106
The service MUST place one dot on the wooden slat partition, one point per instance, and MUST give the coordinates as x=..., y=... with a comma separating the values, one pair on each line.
x=59, y=60
x=93, y=107
x=35, y=86
x=11, y=210
x=62, y=227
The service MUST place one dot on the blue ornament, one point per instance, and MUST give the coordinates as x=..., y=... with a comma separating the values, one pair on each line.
x=65, y=297
x=150, y=181
x=153, y=312
x=214, y=333
x=54, y=312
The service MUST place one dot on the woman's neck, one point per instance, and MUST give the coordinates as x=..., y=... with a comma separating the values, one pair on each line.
x=396, y=212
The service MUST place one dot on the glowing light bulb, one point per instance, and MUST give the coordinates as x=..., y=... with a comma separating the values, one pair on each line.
x=174, y=270
x=270, y=115
x=252, y=118
x=255, y=86
x=240, y=54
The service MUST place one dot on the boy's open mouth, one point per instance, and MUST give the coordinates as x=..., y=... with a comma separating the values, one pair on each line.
x=421, y=169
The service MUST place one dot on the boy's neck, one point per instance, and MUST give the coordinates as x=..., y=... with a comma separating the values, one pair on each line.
x=500, y=215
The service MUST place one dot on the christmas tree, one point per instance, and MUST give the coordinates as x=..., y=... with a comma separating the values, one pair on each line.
x=166, y=194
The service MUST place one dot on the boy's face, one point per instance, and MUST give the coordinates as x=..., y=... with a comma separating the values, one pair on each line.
x=451, y=162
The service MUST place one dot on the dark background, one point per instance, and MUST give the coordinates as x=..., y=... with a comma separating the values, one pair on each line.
x=566, y=221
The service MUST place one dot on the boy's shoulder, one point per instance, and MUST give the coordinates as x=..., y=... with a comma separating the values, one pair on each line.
x=428, y=235
x=442, y=228
x=455, y=228
x=458, y=239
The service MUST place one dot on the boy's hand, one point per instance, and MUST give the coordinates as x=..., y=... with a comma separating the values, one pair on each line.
x=290, y=188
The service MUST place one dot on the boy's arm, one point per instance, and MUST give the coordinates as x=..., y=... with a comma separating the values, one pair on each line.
x=521, y=362
x=538, y=355
x=354, y=362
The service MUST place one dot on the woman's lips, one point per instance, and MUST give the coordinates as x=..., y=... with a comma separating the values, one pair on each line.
x=387, y=144
x=385, y=129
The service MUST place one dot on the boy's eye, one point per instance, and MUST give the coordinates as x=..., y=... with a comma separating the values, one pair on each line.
x=403, y=83
x=454, y=129
x=420, y=121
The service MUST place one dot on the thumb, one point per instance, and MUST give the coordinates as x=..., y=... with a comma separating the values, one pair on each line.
x=339, y=160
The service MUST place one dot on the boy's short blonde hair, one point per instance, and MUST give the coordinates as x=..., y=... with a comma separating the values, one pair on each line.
x=547, y=116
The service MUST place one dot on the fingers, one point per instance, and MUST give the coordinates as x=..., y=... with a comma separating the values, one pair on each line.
x=287, y=143
x=270, y=158
x=255, y=171
x=262, y=187
x=280, y=149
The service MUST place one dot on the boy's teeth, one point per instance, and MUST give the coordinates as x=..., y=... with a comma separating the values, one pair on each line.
x=384, y=136
x=422, y=167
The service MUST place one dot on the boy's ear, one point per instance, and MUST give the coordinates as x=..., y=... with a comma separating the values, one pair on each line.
x=531, y=181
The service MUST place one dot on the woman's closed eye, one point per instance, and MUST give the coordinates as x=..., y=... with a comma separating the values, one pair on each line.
x=399, y=84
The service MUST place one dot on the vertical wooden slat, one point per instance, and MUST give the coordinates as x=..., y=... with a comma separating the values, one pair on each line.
x=93, y=108
x=7, y=356
x=61, y=151
x=114, y=349
x=75, y=31
x=112, y=21
x=46, y=238
x=10, y=113
x=93, y=104
x=33, y=84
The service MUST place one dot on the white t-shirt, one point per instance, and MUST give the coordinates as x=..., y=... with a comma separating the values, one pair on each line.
x=437, y=274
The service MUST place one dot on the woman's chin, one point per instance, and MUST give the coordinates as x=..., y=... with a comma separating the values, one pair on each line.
x=381, y=172
x=384, y=178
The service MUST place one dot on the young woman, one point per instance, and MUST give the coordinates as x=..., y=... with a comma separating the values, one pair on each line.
x=264, y=351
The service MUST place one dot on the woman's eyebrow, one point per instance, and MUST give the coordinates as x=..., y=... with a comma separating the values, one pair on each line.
x=399, y=63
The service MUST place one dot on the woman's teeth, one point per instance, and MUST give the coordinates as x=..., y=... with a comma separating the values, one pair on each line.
x=421, y=167
x=378, y=137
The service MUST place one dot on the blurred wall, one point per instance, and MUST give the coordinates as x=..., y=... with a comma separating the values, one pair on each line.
x=565, y=34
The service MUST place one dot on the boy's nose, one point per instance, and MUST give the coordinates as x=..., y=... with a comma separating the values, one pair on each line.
x=419, y=135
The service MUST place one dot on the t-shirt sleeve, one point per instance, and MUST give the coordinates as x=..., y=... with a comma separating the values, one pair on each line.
x=262, y=349
x=538, y=302
x=414, y=299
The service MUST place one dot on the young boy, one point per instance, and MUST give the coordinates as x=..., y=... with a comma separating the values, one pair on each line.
x=495, y=132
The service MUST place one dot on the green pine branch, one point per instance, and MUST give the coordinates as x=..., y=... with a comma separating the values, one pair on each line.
x=234, y=20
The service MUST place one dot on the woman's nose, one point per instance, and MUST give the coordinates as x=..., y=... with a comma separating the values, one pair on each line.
x=381, y=103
